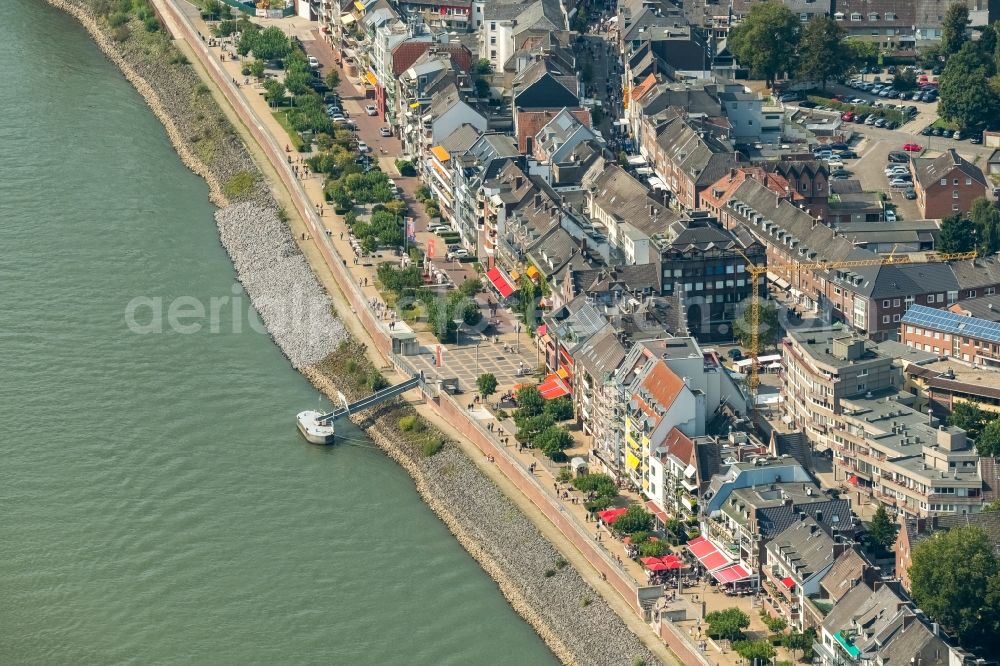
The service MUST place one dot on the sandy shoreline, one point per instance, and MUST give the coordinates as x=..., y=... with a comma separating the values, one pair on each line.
x=524, y=584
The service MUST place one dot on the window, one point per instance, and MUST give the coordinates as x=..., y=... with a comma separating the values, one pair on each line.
x=990, y=291
x=909, y=329
x=803, y=17
x=885, y=319
x=895, y=318
x=954, y=182
x=954, y=207
x=944, y=181
x=862, y=387
x=890, y=16
x=952, y=296
x=863, y=373
x=493, y=25
x=873, y=16
x=895, y=302
x=885, y=303
x=954, y=194
x=719, y=284
x=968, y=181
x=930, y=298
x=855, y=16
x=493, y=39
x=493, y=53
x=972, y=293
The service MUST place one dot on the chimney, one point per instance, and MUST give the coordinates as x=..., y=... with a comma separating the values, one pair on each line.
x=652, y=210
x=839, y=548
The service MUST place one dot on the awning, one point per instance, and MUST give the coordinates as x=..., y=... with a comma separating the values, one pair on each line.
x=371, y=78
x=788, y=582
x=348, y=19
x=636, y=160
x=441, y=153
x=532, y=272
x=631, y=461
x=654, y=509
x=562, y=372
x=708, y=555
x=553, y=387
x=773, y=277
x=644, y=171
x=500, y=282
x=609, y=516
x=359, y=5
x=656, y=183
x=769, y=358
x=731, y=574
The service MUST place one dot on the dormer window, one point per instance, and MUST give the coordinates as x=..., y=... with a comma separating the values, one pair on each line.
x=873, y=16
x=855, y=16
x=890, y=16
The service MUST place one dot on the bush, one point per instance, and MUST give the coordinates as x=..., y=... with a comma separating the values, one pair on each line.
x=561, y=563
x=431, y=446
x=118, y=19
x=774, y=624
x=653, y=548
x=549, y=573
x=375, y=381
x=121, y=33
x=565, y=474
x=412, y=423
x=406, y=168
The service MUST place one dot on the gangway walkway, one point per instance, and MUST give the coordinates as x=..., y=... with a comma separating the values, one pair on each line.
x=370, y=401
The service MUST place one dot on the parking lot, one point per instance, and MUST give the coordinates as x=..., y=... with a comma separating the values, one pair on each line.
x=870, y=170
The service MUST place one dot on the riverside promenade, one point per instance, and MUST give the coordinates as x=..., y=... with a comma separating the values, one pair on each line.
x=509, y=470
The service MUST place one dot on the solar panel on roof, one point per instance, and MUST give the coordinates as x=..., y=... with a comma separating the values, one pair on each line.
x=950, y=322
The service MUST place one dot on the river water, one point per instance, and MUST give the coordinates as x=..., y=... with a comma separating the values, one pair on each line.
x=157, y=505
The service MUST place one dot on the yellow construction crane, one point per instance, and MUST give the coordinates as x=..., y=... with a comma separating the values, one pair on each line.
x=755, y=272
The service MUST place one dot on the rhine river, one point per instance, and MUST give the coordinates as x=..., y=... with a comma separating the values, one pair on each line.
x=157, y=505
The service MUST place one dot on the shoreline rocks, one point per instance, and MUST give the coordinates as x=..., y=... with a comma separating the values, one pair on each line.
x=572, y=618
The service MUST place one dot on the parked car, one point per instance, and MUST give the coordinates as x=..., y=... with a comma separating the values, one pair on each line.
x=313, y=62
x=848, y=155
x=860, y=118
x=788, y=97
x=946, y=134
x=823, y=154
x=870, y=120
x=363, y=147
x=848, y=116
x=457, y=254
x=385, y=131
x=910, y=193
x=880, y=122
x=899, y=183
x=840, y=174
x=808, y=105
x=371, y=110
x=438, y=228
x=957, y=136
x=891, y=124
x=976, y=138
x=337, y=118
x=898, y=157
x=890, y=215
x=912, y=147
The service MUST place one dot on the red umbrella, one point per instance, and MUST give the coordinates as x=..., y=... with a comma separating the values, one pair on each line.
x=650, y=560
x=659, y=566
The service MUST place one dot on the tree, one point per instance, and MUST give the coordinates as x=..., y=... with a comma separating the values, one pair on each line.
x=601, y=485
x=862, y=53
x=952, y=578
x=986, y=216
x=553, y=441
x=988, y=442
x=969, y=417
x=482, y=88
x=483, y=67
x=727, y=624
x=274, y=92
x=332, y=79
x=635, y=519
x=966, y=99
x=954, y=28
x=799, y=642
x=766, y=40
x=823, y=53
x=529, y=401
x=992, y=507
x=257, y=69
x=486, y=384
x=882, y=531
x=530, y=427
x=756, y=652
x=653, y=548
x=958, y=234
x=905, y=80
x=560, y=409
x=769, y=327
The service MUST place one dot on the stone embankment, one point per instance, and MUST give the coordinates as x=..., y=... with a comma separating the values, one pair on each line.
x=569, y=615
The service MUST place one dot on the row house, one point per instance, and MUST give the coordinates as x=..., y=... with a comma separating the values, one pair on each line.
x=630, y=212
x=507, y=26
x=420, y=68
x=689, y=160
x=797, y=560
x=450, y=15
x=950, y=334
x=914, y=530
x=438, y=172
x=706, y=264
x=419, y=85
x=470, y=170
x=878, y=625
x=446, y=113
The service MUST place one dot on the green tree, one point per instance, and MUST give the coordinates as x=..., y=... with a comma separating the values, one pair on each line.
x=770, y=329
x=727, y=624
x=954, y=577
x=274, y=92
x=756, y=652
x=482, y=88
x=823, y=53
x=486, y=384
x=601, y=485
x=992, y=507
x=958, y=234
x=653, y=548
x=970, y=417
x=553, y=441
x=862, y=52
x=332, y=79
x=257, y=69
x=530, y=427
x=560, y=409
x=905, y=80
x=800, y=642
x=954, y=28
x=482, y=67
x=882, y=531
x=966, y=97
x=988, y=442
x=635, y=519
x=766, y=40
x=986, y=216
x=529, y=401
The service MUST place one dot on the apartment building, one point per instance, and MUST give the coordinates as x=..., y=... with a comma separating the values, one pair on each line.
x=951, y=334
